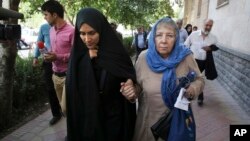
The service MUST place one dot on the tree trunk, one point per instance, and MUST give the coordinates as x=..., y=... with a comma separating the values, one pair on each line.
x=14, y=6
x=8, y=54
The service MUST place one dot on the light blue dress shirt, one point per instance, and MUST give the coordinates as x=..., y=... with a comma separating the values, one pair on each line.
x=44, y=37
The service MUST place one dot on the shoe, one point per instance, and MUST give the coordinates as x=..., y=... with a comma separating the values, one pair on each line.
x=200, y=102
x=65, y=139
x=54, y=120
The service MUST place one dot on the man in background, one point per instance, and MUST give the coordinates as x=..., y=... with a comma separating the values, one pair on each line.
x=182, y=32
x=44, y=37
x=140, y=41
x=61, y=37
x=202, y=43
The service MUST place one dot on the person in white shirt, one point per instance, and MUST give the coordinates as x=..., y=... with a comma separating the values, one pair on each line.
x=202, y=43
x=183, y=33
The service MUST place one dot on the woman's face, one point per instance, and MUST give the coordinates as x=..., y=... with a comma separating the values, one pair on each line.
x=164, y=39
x=89, y=36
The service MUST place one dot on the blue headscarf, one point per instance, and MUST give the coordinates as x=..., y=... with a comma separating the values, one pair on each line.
x=166, y=66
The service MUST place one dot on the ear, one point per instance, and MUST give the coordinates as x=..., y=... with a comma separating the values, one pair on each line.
x=54, y=15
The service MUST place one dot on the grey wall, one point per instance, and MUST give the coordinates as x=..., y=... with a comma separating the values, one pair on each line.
x=234, y=74
x=232, y=24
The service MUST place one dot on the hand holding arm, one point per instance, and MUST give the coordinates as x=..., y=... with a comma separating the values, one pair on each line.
x=129, y=90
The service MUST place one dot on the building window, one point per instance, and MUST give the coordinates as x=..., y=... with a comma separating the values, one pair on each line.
x=221, y=3
x=199, y=8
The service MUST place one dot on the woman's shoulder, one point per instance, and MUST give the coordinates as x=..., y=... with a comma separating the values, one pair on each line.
x=141, y=57
x=143, y=54
x=187, y=60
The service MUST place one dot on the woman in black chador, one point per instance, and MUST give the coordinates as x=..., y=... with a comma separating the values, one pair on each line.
x=96, y=109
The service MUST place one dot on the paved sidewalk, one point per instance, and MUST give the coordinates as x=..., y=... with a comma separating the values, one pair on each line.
x=212, y=119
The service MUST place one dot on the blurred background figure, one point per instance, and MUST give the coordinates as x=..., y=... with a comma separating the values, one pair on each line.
x=188, y=29
x=195, y=28
x=140, y=41
x=183, y=33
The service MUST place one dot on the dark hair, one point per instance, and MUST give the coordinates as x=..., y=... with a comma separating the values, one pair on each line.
x=113, y=24
x=53, y=6
x=189, y=25
x=195, y=28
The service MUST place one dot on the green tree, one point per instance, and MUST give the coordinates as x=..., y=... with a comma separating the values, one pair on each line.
x=127, y=12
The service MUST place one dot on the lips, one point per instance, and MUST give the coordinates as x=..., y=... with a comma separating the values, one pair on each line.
x=163, y=47
x=89, y=44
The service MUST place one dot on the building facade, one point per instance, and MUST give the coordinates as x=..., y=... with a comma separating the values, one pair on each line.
x=232, y=28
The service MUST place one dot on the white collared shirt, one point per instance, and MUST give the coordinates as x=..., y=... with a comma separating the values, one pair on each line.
x=195, y=42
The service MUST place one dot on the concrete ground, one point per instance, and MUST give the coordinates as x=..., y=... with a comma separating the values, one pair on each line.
x=213, y=119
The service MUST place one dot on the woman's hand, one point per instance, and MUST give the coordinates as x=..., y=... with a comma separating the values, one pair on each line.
x=190, y=93
x=128, y=90
x=93, y=53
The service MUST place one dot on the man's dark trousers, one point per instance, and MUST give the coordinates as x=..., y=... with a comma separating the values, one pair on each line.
x=50, y=90
x=201, y=65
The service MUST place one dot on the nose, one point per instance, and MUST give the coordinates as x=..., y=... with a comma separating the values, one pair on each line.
x=164, y=38
x=87, y=38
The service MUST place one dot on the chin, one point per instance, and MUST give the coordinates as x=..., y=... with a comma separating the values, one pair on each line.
x=90, y=47
x=163, y=54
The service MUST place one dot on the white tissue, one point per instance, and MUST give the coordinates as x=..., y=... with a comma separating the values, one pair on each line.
x=182, y=102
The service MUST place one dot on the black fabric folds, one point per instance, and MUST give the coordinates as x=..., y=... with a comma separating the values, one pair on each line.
x=210, y=69
x=87, y=110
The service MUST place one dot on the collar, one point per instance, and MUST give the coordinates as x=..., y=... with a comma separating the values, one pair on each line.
x=60, y=26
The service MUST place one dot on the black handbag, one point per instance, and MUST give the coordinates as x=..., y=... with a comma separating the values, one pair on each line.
x=162, y=127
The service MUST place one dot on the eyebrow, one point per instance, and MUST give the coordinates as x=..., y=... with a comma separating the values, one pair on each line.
x=92, y=31
x=164, y=33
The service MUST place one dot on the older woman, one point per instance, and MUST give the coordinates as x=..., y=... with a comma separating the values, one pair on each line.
x=158, y=70
x=96, y=109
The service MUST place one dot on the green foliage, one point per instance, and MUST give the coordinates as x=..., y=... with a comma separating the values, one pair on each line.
x=127, y=44
x=28, y=94
x=126, y=12
x=28, y=83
